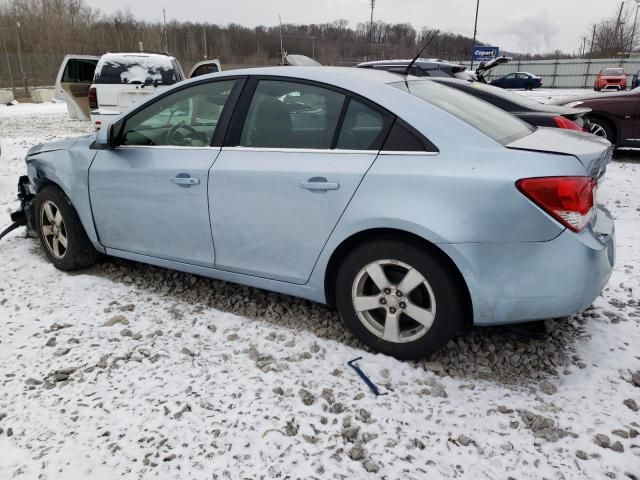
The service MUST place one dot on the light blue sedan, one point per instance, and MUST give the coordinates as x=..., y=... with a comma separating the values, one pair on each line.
x=414, y=208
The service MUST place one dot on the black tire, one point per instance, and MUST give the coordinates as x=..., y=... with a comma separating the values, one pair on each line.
x=79, y=252
x=605, y=125
x=449, y=302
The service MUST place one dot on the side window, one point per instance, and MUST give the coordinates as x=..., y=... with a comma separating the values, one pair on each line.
x=404, y=138
x=205, y=69
x=79, y=71
x=286, y=114
x=186, y=118
x=363, y=128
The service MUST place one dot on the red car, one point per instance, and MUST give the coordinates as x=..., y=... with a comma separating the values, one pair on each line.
x=611, y=79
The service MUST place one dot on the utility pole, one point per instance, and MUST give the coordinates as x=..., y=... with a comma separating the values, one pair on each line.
x=618, y=24
x=204, y=41
x=20, y=64
x=164, y=27
x=475, y=33
x=593, y=41
x=633, y=32
x=281, y=45
x=313, y=47
x=373, y=6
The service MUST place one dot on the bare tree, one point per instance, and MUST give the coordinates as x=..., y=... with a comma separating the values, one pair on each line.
x=615, y=36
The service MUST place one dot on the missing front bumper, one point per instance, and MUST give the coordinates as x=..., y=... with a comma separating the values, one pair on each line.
x=25, y=215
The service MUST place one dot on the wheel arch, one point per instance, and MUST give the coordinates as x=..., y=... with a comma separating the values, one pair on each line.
x=43, y=176
x=373, y=234
x=606, y=119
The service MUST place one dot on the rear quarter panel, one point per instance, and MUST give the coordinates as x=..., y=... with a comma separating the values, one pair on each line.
x=460, y=195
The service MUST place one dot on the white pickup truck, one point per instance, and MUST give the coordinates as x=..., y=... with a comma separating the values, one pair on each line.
x=98, y=88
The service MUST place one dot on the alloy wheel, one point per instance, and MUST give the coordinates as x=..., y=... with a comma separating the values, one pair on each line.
x=598, y=130
x=53, y=229
x=394, y=301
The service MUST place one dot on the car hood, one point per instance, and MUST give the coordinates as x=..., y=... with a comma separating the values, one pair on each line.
x=593, y=152
x=64, y=144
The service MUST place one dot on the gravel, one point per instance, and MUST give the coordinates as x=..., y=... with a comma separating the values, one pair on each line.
x=476, y=353
x=602, y=440
x=631, y=404
x=216, y=380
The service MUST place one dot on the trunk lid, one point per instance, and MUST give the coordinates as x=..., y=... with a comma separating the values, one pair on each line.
x=593, y=152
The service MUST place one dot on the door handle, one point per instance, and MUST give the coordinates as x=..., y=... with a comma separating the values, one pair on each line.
x=185, y=181
x=319, y=184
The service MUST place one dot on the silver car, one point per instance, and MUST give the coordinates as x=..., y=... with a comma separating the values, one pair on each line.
x=414, y=208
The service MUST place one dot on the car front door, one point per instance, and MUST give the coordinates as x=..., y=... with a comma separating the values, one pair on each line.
x=296, y=155
x=149, y=194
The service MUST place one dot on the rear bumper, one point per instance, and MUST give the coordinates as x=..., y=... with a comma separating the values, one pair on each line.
x=519, y=282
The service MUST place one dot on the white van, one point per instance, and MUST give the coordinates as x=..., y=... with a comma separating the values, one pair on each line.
x=99, y=88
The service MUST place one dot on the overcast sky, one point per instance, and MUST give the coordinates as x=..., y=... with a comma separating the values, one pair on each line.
x=515, y=25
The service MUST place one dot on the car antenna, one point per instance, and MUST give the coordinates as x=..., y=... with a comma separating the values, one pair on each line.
x=408, y=69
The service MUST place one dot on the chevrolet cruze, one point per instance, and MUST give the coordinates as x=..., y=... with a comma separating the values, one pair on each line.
x=413, y=208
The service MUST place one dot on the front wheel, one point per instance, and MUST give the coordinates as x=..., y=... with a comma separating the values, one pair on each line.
x=398, y=299
x=60, y=231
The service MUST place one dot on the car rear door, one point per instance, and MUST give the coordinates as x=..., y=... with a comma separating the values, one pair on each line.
x=74, y=78
x=295, y=157
x=149, y=194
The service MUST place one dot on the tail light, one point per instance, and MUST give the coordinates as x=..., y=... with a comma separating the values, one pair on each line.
x=569, y=200
x=564, y=122
x=93, y=98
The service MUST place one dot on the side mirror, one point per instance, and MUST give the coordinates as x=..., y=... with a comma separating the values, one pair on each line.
x=107, y=137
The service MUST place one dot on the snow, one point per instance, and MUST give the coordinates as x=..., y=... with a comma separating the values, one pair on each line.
x=135, y=67
x=545, y=95
x=219, y=388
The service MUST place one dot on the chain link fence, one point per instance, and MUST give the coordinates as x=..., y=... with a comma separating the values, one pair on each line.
x=567, y=73
x=23, y=73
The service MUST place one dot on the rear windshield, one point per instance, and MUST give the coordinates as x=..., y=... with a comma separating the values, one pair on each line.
x=507, y=95
x=492, y=121
x=613, y=71
x=136, y=69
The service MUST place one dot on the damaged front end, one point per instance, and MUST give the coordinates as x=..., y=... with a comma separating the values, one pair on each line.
x=25, y=216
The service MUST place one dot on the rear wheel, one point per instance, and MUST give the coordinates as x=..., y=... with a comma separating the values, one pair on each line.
x=398, y=299
x=60, y=231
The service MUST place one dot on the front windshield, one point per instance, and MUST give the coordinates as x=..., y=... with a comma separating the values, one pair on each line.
x=492, y=121
x=613, y=71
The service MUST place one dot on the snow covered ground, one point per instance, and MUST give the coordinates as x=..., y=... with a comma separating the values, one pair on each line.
x=130, y=371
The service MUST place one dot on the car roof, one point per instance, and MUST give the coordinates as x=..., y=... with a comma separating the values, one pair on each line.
x=136, y=54
x=345, y=77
